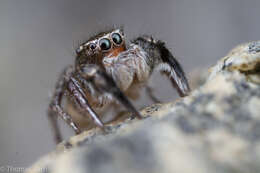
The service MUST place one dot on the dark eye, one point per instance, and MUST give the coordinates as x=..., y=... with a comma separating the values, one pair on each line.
x=117, y=38
x=78, y=50
x=92, y=46
x=104, y=44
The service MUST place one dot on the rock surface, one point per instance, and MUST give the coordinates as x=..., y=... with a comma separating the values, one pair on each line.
x=215, y=129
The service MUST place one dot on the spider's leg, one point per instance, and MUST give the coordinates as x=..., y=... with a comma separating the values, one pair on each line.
x=76, y=91
x=172, y=68
x=55, y=108
x=149, y=91
x=161, y=56
x=104, y=83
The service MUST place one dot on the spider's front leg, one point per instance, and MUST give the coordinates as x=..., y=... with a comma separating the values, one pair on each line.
x=105, y=84
x=67, y=82
x=159, y=55
x=55, y=108
x=96, y=77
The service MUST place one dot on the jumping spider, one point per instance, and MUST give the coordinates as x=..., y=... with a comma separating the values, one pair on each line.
x=107, y=70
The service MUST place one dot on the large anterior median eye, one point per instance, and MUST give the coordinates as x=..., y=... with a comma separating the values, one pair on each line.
x=105, y=44
x=117, y=38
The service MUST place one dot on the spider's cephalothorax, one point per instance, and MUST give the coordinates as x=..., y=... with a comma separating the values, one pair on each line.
x=107, y=70
x=102, y=45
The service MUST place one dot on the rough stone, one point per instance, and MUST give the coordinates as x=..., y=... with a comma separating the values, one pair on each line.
x=214, y=129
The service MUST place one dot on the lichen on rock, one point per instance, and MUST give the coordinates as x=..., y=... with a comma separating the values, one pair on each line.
x=244, y=59
x=214, y=129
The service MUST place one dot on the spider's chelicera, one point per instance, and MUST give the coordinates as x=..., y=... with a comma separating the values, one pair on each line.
x=107, y=72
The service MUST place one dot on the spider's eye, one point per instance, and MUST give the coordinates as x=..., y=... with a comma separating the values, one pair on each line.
x=78, y=50
x=92, y=46
x=117, y=38
x=104, y=44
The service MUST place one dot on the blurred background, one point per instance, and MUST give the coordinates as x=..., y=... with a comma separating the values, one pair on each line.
x=38, y=39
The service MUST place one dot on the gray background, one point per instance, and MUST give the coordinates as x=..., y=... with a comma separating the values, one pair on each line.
x=38, y=39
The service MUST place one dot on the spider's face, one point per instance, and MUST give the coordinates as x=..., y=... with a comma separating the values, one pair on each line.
x=108, y=44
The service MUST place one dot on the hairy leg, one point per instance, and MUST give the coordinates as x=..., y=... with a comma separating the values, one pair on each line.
x=159, y=55
x=76, y=91
x=67, y=82
x=55, y=109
